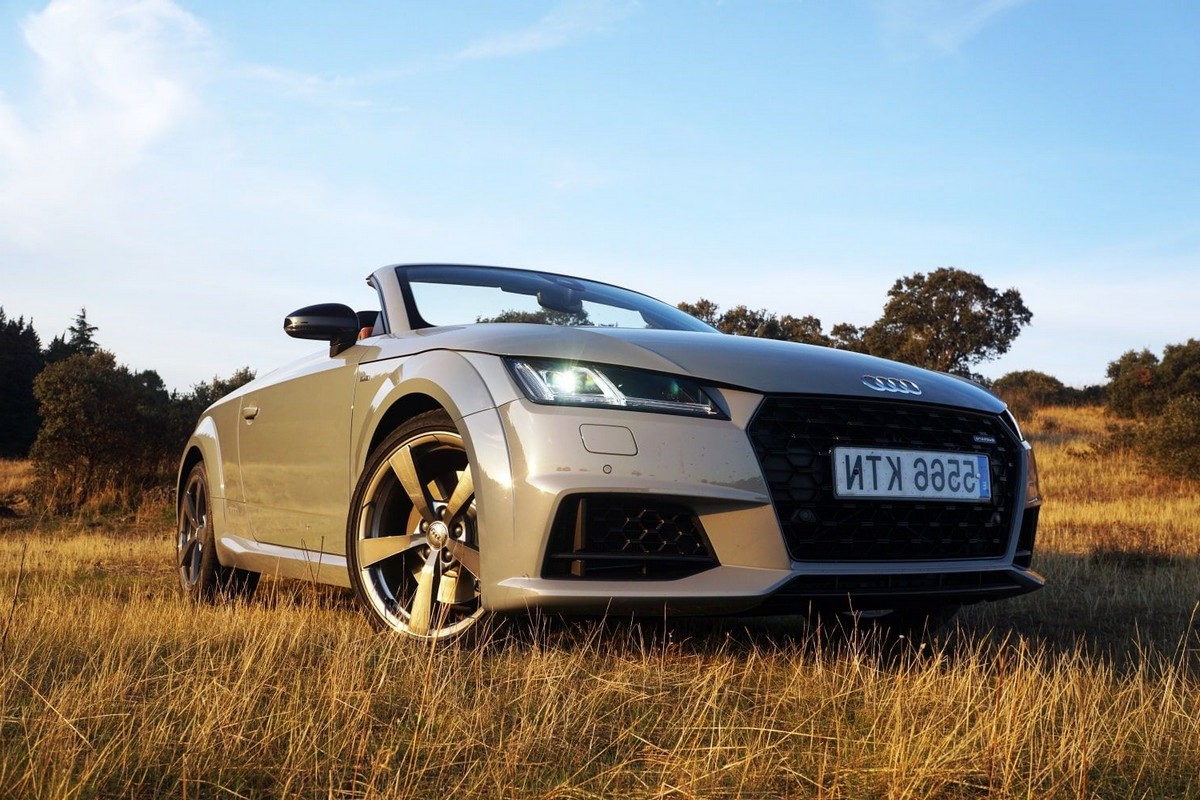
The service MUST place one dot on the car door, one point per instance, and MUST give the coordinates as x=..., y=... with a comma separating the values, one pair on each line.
x=294, y=450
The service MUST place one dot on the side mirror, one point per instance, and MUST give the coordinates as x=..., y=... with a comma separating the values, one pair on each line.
x=326, y=322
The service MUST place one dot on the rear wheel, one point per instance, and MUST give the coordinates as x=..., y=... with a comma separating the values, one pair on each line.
x=201, y=574
x=412, y=541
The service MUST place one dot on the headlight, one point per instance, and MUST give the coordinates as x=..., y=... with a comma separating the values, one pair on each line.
x=556, y=382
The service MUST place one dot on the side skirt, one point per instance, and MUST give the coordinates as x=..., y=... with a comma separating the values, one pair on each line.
x=285, y=562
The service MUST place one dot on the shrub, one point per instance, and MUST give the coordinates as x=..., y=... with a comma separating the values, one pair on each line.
x=1171, y=441
x=103, y=432
x=1141, y=385
x=1028, y=390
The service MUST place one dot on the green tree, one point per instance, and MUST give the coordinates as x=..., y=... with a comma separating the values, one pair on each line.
x=948, y=320
x=186, y=409
x=20, y=362
x=846, y=336
x=1171, y=440
x=1179, y=370
x=704, y=310
x=80, y=339
x=104, y=428
x=744, y=321
x=1028, y=390
x=543, y=316
x=1142, y=385
x=1133, y=388
x=806, y=329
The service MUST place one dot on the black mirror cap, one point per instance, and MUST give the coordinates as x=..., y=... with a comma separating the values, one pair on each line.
x=327, y=322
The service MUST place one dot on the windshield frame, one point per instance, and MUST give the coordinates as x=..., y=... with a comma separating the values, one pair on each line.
x=551, y=290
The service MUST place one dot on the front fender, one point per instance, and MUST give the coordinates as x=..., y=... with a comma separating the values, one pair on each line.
x=389, y=392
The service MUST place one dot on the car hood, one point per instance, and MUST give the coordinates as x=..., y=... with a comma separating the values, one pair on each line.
x=761, y=365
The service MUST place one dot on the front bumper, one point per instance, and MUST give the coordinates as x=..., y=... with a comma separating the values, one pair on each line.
x=552, y=456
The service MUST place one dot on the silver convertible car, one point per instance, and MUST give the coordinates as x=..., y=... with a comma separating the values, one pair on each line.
x=497, y=440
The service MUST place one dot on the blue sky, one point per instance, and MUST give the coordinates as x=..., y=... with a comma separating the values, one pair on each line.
x=193, y=171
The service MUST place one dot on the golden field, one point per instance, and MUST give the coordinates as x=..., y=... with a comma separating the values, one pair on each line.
x=111, y=685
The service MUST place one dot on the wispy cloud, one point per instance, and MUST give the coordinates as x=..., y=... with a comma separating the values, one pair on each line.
x=564, y=24
x=939, y=25
x=353, y=91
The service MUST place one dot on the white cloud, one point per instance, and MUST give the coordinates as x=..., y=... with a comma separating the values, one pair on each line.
x=941, y=25
x=114, y=78
x=565, y=23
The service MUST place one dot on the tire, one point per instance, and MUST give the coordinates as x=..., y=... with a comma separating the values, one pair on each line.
x=412, y=541
x=201, y=574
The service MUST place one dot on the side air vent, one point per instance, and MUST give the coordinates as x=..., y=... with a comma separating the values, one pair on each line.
x=621, y=537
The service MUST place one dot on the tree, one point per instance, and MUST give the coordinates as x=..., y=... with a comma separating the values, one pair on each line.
x=846, y=336
x=80, y=339
x=1179, y=370
x=704, y=310
x=947, y=321
x=1171, y=440
x=186, y=408
x=1140, y=385
x=1131, y=384
x=103, y=427
x=1028, y=390
x=20, y=362
x=744, y=321
x=543, y=316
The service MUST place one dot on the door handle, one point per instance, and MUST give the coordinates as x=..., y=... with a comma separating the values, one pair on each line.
x=249, y=412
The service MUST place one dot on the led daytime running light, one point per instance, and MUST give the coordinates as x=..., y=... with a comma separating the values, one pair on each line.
x=568, y=383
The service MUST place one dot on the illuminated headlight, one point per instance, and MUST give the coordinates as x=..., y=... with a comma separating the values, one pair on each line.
x=1033, y=491
x=555, y=382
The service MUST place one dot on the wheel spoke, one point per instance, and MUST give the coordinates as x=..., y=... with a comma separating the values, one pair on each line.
x=448, y=587
x=188, y=550
x=422, y=607
x=406, y=471
x=189, y=509
x=463, y=493
x=465, y=554
x=372, y=551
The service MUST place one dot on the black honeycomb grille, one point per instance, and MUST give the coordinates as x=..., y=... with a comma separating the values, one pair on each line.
x=793, y=438
x=626, y=536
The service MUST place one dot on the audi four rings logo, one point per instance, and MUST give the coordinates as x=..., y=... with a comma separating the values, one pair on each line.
x=897, y=385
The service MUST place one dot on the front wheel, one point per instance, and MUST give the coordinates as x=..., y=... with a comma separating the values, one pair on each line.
x=412, y=542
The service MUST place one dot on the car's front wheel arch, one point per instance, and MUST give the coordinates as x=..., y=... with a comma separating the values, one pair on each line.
x=400, y=412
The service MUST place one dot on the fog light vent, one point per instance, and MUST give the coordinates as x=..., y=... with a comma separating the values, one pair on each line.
x=618, y=537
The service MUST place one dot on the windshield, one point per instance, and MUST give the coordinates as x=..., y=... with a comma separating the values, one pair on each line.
x=439, y=295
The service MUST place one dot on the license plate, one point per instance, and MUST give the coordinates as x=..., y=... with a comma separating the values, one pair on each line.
x=911, y=474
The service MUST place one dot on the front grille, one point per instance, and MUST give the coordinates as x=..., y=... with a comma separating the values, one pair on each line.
x=793, y=438
x=610, y=537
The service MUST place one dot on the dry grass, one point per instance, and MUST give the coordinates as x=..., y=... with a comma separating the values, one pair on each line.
x=16, y=481
x=112, y=686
